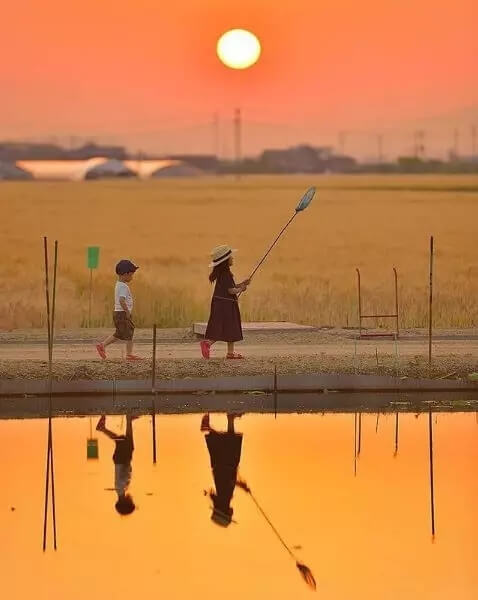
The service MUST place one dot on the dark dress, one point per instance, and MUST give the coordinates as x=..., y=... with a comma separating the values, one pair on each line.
x=225, y=320
x=225, y=452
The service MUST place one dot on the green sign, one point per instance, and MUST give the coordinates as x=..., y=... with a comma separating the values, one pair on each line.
x=93, y=257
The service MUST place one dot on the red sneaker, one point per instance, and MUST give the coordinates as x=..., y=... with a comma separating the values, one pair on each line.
x=234, y=355
x=205, y=423
x=101, y=423
x=101, y=351
x=133, y=357
x=205, y=348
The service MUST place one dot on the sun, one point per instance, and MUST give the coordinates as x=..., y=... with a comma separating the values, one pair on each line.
x=238, y=49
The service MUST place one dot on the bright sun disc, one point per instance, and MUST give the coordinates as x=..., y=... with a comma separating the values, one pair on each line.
x=238, y=49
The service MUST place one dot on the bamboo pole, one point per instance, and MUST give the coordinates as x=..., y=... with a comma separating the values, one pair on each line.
x=153, y=392
x=396, y=434
x=275, y=391
x=359, y=434
x=432, y=485
x=430, y=312
x=50, y=307
x=47, y=475
x=355, y=444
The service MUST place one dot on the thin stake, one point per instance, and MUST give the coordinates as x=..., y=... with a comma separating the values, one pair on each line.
x=355, y=444
x=359, y=434
x=53, y=496
x=90, y=296
x=50, y=327
x=153, y=370
x=432, y=487
x=154, y=429
x=47, y=475
x=430, y=313
x=275, y=391
x=396, y=433
x=153, y=391
x=397, y=359
x=376, y=355
x=376, y=424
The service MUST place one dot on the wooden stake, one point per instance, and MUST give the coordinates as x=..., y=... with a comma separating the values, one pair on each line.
x=430, y=312
x=90, y=296
x=355, y=444
x=50, y=326
x=432, y=487
x=153, y=392
x=359, y=434
x=396, y=433
x=275, y=391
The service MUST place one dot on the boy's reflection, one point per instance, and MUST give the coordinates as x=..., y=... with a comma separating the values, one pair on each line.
x=122, y=456
x=225, y=453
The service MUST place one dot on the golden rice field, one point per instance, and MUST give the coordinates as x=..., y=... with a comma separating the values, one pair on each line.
x=168, y=227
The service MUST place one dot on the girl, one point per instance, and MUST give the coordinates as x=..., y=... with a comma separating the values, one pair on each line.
x=225, y=320
x=225, y=454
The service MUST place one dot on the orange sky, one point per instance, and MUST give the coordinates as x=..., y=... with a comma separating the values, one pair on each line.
x=145, y=72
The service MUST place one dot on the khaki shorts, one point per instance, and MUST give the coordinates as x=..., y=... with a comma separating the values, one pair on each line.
x=124, y=326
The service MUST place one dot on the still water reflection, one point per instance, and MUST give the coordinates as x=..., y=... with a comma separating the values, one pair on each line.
x=345, y=495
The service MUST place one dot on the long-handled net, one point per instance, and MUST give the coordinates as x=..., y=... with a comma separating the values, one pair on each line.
x=303, y=204
x=303, y=569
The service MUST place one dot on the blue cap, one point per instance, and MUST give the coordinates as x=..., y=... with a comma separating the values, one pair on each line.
x=125, y=266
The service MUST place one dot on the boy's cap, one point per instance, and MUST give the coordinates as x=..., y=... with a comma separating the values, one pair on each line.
x=125, y=266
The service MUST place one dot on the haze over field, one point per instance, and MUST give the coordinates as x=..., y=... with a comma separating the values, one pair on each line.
x=146, y=73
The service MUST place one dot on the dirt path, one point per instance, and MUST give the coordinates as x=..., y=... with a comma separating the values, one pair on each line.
x=23, y=354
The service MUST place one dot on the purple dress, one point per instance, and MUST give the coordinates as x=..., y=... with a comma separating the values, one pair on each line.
x=225, y=320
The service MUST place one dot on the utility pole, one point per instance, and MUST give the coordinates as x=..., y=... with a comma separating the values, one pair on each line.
x=419, y=143
x=215, y=126
x=237, y=138
x=342, y=137
x=456, y=143
x=473, y=142
x=380, y=148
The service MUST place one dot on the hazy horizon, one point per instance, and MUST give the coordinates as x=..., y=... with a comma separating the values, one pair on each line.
x=147, y=76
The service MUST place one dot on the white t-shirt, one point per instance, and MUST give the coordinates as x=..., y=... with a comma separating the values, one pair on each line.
x=122, y=478
x=122, y=291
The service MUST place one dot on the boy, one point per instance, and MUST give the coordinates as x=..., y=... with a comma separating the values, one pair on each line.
x=124, y=448
x=125, y=270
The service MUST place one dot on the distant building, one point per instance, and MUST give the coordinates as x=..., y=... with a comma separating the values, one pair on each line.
x=305, y=159
x=11, y=172
x=205, y=162
x=91, y=150
x=13, y=151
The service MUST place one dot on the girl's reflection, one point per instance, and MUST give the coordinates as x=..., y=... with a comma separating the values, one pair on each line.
x=122, y=456
x=225, y=453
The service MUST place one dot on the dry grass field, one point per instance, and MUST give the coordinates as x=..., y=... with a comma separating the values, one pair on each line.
x=168, y=228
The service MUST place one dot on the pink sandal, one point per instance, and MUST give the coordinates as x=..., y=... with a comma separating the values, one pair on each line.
x=234, y=355
x=133, y=357
x=101, y=351
x=205, y=348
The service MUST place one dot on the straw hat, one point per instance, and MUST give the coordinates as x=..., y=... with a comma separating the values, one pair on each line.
x=220, y=254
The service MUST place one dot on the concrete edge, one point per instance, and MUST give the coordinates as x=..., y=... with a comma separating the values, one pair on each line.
x=262, y=383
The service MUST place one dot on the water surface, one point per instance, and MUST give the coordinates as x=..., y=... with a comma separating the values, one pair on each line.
x=362, y=525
